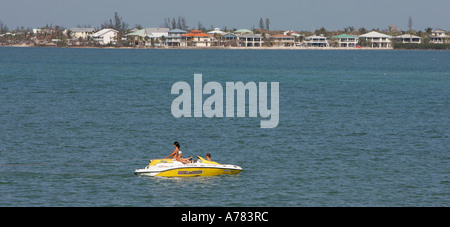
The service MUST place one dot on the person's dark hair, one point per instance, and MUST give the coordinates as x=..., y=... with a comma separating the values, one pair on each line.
x=208, y=155
x=177, y=144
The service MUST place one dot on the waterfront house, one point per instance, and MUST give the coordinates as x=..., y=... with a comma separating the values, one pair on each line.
x=174, y=37
x=407, y=38
x=156, y=33
x=438, y=36
x=345, y=40
x=156, y=36
x=82, y=33
x=148, y=36
x=251, y=40
x=280, y=40
x=316, y=41
x=105, y=36
x=196, y=38
x=45, y=30
x=377, y=40
x=139, y=32
x=137, y=36
x=292, y=33
x=229, y=39
x=217, y=36
x=216, y=31
x=243, y=32
x=229, y=36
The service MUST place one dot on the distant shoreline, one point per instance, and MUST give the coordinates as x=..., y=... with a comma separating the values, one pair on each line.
x=219, y=48
x=203, y=48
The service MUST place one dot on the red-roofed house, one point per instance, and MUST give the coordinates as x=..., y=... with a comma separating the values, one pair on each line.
x=196, y=38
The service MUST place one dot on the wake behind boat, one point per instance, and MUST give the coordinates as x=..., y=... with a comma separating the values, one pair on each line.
x=201, y=167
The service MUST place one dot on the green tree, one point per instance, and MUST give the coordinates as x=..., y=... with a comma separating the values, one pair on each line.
x=218, y=37
x=3, y=28
x=322, y=31
x=362, y=30
x=267, y=24
x=410, y=24
x=174, y=23
x=181, y=23
x=117, y=24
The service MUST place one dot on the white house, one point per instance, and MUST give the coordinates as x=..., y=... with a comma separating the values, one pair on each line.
x=407, y=38
x=281, y=40
x=438, y=36
x=157, y=33
x=216, y=31
x=229, y=39
x=291, y=33
x=105, y=36
x=153, y=35
x=174, y=37
x=36, y=30
x=345, y=40
x=242, y=32
x=196, y=38
x=83, y=33
x=378, y=40
x=316, y=41
x=251, y=40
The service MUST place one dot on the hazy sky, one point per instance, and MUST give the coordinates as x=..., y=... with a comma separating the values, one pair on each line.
x=283, y=14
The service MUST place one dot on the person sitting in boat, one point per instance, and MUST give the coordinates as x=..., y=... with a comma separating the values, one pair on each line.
x=208, y=156
x=177, y=154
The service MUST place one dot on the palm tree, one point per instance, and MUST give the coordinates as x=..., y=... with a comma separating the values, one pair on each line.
x=218, y=37
x=163, y=39
x=410, y=24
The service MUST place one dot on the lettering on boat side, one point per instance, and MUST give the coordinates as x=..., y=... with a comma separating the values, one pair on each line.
x=213, y=106
x=190, y=172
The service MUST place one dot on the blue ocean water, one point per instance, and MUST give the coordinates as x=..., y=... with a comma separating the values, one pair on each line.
x=357, y=128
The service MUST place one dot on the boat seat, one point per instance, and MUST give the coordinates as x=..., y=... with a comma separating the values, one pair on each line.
x=156, y=161
x=202, y=160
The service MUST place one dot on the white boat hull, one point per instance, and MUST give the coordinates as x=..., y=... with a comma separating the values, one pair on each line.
x=171, y=168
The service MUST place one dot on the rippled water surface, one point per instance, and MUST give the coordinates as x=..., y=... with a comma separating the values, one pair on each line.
x=357, y=128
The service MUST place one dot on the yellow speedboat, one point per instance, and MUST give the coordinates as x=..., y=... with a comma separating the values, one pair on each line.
x=201, y=167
